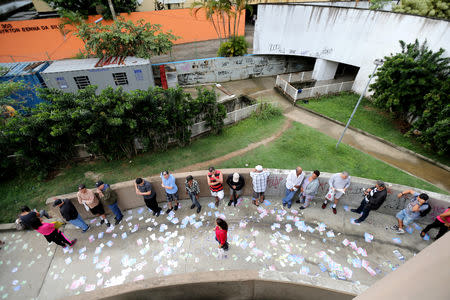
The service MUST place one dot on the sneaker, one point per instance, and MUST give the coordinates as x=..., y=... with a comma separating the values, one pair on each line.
x=192, y=206
x=72, y=243
x=102, y=221
x=324, y=205
x=158, y=212
x=284, y=204
x=302, y=207
x=154, y=212
x=334, y=210
x=86, y=229
x=108, y=224
x=394, y=227
x=118, y=221
x=176, y=207
x=289, y=206
x=357, y=221
x=297, y=201
x=199, y=209
x=354, y=210
x=229, y=202
x=400, y=231
x=168, y=210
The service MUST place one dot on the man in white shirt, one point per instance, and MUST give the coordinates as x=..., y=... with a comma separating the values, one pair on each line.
x=293, y=183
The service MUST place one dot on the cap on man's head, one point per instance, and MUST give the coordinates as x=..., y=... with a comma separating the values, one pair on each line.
x=259, y=168
x=381, y=183
x=57, y=202
x=235, y=177
x=99, y=183
x=81, y=186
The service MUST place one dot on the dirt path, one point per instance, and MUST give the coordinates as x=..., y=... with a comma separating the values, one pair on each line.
x=206, y=164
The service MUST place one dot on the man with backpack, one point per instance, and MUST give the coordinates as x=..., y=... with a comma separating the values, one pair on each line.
x=374, y=197
x=416, y=208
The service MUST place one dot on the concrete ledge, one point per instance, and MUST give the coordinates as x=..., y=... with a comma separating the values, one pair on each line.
x=245, y=284
x=7, y=226
x=128, y=199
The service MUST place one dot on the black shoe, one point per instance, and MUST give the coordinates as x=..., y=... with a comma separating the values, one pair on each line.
x=357, y=221
x=289, y=206
x=297, y=201
x=284, y=204
x=192, y=206
x=158, y=212
x=199, y=209
x=108, y=224
x=118, y=221
x=234, y=204
x=302, y=207
x=354, y=210
x=229, y=202
x=102, y=221
x=154, y=212
x=168, y=210
x=176, y=207
x=86, y=229
x=72, y=243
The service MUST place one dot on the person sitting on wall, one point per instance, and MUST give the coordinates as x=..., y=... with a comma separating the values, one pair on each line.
x=374, y=197
x=310, y=186
x=412, y=210
x=259, y=177
x=236, y=183
x=215, y=182
x=293, y=183
x=339, y=184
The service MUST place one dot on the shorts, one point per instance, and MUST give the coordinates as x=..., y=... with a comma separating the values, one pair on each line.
x=238, y=192
x=338, y=195
x=218, y=194
x=98, y=210
x=402, y=215
x=172, y=197
x=256, y=195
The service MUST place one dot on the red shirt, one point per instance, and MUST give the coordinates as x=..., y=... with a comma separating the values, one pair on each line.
x=221, y=235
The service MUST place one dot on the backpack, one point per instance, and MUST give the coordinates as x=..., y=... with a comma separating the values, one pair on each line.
x=425, y=212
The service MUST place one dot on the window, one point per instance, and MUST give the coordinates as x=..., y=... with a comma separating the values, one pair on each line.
x=82, y=81
x=120, y=78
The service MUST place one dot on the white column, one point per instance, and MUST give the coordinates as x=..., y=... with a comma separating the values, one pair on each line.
x=324, y=69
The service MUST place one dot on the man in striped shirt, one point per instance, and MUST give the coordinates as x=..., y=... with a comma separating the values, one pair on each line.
x=215, y=182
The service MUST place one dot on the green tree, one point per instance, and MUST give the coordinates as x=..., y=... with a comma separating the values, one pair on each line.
x=427, y=8
x=414, y=85
x=87, y=7
x=124, y=38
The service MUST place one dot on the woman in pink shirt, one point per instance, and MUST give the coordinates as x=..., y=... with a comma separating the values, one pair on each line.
x=52, y=234
x=221, y=233
x=442, y=222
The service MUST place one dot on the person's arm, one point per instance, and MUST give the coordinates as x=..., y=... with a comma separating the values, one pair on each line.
x=443, y=218
x=405, y=193
x=137, y=190
x=208, y=180
x=348, y=184
x=220, y=178
x=79, y=199
x=416, y=208
x=302, y=177
x=229, y=180
x=171, y=185
x=331, y=182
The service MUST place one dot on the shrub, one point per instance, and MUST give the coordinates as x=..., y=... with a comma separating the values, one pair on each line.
x=267, y=111
x=235, y=46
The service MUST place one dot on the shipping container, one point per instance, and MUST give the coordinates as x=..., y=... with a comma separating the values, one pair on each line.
x=71, y=75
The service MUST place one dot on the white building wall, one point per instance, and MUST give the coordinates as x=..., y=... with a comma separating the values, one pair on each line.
x=347, y=35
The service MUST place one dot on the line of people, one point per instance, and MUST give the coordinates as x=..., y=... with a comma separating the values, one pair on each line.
x=296, y=181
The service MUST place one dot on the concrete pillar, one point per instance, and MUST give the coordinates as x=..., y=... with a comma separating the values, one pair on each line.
x=324, y=69
x=424, y=276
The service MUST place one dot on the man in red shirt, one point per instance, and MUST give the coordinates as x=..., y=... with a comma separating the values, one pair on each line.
x=215, y=182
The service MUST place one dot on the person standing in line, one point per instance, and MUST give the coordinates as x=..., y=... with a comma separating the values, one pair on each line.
x=221, y=234
x=87, y=197
x=339, y=184
x=293, y=183
x=145, y=189
x=193, y=190
x=70, y=213
x=109, y=197
x=411, y=212
x=50, y=233
x=374, y=197
x=310, y=186
x=168, y=183
x=442, y=222
x=259, y=179
x=236, y=183
x=215, y=183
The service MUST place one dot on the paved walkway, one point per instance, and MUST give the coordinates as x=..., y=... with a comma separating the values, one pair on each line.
x=262, y=89
x=299, y=246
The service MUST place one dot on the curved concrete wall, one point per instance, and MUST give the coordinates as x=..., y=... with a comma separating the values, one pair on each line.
x=275, y=190
x=347, y=35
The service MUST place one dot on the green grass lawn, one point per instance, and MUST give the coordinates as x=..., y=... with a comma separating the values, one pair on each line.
x=304, y=146
x=369, y=119
x=32, y=192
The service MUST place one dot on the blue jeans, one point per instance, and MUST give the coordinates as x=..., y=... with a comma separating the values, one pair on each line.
x=79, y=222
x=288, y=198
x=116, y=210
x=194, y=199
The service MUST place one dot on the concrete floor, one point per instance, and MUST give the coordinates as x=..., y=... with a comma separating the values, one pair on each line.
x=298, y=246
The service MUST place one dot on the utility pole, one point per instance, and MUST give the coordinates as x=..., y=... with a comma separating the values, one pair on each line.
x=111, y=8
x=377, y=62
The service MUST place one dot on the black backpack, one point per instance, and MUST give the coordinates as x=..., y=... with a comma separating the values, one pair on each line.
x=425, y=212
